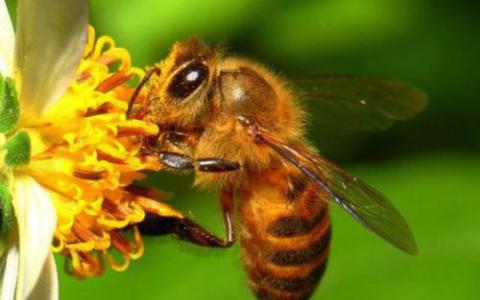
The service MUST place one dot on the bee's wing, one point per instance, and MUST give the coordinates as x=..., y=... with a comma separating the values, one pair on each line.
x=360, y=103
x=362, y=201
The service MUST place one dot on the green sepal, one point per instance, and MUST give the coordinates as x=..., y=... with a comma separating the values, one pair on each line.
x=6, y=208
x=9, y=107
x=18, y=150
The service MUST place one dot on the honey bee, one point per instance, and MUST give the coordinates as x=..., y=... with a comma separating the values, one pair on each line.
x=241, y=129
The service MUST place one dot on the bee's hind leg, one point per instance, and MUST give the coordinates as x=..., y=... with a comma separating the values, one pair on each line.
x=187, y=230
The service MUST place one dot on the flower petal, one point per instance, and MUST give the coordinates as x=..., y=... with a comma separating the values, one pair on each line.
x=7, y=41
x=9, y=271
x=47, y=284
x=36, y=219
x=51, y=37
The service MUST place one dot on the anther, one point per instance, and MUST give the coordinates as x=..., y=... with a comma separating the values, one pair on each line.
x=113, y=81
x=89, y=174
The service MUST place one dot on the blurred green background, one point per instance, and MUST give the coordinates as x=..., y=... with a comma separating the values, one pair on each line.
x=428, y=166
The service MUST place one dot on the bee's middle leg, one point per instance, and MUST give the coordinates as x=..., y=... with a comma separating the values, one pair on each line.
x=187, y=230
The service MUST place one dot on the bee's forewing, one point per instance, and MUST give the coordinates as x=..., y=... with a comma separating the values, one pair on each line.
x=363, y=202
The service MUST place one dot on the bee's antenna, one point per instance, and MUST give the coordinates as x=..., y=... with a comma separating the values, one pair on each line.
x=139, y=88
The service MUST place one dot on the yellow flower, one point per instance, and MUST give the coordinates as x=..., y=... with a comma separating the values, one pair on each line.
x=94, y=162
x=77, y=187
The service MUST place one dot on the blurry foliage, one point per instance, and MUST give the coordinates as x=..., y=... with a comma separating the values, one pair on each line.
x=428, y=165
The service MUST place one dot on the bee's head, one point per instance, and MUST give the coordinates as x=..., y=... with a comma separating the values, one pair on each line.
x=179, y=95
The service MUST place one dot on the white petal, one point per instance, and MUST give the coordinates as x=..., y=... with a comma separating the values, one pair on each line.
x=47, y=284
x=51, y=37
x=36, y=219
x=7, y=41
x=9, y=272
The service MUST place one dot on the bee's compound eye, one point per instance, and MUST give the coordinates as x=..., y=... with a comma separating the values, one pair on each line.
x=188, y=79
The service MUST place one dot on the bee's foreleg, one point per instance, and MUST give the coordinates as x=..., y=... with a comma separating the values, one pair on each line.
x=184, y=162
x=176, y=160
x=215, y=165
x=187, y=230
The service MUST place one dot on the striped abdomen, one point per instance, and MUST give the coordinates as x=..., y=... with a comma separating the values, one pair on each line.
x=285, y=235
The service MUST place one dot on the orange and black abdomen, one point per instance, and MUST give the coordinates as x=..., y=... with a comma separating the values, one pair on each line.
x=285, y=235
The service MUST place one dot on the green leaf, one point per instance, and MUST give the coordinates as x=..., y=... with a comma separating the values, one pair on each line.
x=18, y=150
x=6, y=208
x=9, y=107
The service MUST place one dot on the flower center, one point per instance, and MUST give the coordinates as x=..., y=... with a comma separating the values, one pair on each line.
x=91, y=157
